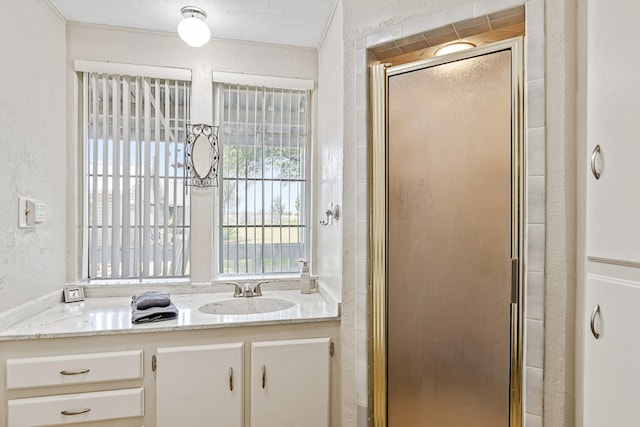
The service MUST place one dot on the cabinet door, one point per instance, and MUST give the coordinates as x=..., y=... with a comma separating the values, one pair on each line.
x=611, y=374
x=200, y=386
x=290, y=383
x=613, y=102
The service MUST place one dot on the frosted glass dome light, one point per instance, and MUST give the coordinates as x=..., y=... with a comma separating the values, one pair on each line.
x=454, y=47
x=192, y=29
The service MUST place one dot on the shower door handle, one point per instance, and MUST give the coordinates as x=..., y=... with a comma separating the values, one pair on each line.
x=592, y=322
x=594, y=156
x=515, y=280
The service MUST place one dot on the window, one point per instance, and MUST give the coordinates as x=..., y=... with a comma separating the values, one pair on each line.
x=136, y=204
x=264, y=138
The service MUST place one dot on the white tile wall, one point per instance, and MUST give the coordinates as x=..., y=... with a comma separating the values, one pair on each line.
x=534, y=62
x=362, y=231
x=361, y=276
x=534, y=250
x=535, y=335
x=485, y=7
x=534, y=18
x=535, y=201
x=535, y=148
x=535, y=197
x=458, y=14
x=534, y=94
x=534, y=188
x=534, y=296
x=533, y=391
x=384, y=37
x=430, y=22
x=532, y=420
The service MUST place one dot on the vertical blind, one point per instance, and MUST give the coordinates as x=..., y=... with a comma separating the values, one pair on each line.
x=263, y=203
x=138, y=206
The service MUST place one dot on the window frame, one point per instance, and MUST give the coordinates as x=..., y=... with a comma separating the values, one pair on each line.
x=83, y=69
x=221, y=81
x=197, y=91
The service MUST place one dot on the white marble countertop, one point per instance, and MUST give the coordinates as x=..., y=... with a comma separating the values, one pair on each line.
x=112, y=315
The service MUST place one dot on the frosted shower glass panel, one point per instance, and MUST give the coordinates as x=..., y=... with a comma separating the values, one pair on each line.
x=449, y=244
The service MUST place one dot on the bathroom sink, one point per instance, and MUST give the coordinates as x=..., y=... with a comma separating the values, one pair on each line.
x=246, y=306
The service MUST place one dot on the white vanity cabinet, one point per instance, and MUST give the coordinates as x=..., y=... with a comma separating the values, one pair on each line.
x=611, y=320
x=613, y=141
x=290, y=383
x=46, y=384
x=204, y=385
x=200, y=386
x=611, y=376
x=196, y=377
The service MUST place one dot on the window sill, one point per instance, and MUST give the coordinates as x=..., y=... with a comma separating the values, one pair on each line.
x=177, y=287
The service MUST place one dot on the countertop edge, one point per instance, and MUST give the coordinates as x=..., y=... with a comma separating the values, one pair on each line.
x=167, y=328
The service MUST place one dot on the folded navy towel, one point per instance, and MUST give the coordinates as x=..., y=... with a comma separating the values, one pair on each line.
x=150, y=299
x=153, y=314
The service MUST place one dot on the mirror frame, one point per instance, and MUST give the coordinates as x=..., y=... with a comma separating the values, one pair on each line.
x=194, y=132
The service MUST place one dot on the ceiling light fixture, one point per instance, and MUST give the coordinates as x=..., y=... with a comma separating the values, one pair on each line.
x=192, y=29
x=454, y=47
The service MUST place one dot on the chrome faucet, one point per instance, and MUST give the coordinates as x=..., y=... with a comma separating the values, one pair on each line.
x=248, y=289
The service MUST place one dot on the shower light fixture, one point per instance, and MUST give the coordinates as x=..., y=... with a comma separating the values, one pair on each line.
x=192, y=29
x=454, y=47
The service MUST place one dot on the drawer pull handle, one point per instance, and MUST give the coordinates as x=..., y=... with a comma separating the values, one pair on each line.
x=78, y=372
x=78, y=412
x=264, y=376
x=231, y=379
x=592, y=322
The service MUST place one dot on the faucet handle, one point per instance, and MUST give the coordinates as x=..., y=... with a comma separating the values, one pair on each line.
x=257, y=290
x=237, y=291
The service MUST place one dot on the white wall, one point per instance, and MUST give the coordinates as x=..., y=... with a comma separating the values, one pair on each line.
x=329, y=152
x=101, y=43
x=32, y=146
x=329, y=185
x=561, y=230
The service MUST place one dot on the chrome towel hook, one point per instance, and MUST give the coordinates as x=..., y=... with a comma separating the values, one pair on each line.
x=333, y=213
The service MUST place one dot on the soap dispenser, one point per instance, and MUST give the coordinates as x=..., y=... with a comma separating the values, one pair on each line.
x=305, y=277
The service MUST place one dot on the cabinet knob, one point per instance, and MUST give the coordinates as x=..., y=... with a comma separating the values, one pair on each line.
x=231, y=379
x=264, y=376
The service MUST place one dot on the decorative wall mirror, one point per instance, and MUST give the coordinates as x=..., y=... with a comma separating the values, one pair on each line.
x=202, y=155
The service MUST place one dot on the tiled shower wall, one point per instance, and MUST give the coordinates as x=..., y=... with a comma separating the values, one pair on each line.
x=534, y=191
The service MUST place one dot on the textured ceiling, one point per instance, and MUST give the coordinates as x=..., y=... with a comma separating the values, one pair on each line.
x=289, y=22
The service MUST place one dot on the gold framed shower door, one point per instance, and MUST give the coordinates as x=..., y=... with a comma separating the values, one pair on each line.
x=379, y=224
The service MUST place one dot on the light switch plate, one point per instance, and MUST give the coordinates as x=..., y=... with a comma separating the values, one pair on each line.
x=22, y=213
x=31, y=212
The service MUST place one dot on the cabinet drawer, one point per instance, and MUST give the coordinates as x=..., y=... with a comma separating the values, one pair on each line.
x=74, y=369
x=79, y=408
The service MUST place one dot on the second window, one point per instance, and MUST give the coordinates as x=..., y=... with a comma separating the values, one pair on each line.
x=264, y=136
